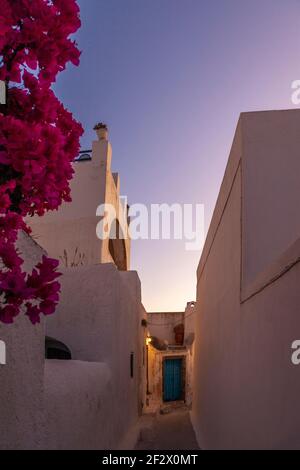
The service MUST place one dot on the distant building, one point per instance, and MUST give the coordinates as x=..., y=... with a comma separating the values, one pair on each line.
x=66, y=378
x=170, y=358
x=69, y=234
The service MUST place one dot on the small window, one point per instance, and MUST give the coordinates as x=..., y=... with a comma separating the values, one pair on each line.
x=131, y=364
x=84, y=155
x=55, y=349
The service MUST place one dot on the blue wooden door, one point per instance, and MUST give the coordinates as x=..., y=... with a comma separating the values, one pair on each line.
x=172, y=379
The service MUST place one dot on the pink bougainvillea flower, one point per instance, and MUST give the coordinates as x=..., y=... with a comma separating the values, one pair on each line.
x=39, y=139
x=33, y=312
x=8, y=313
x=9, y=256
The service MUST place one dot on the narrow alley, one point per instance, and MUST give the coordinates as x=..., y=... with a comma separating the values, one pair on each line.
x=171, y=431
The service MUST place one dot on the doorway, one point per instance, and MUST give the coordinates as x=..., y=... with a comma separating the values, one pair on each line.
x=173, y=383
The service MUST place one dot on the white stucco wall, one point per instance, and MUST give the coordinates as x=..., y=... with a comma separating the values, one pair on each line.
x=77, y=404
x=69, y=234
x=21, y=379
x=271, y=164
x=161, y=324
x=248, y=299
x=104, y=325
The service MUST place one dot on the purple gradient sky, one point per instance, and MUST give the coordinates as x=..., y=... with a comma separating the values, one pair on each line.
x=170, y=78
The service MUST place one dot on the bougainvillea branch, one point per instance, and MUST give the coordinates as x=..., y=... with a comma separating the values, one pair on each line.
x=38, y=141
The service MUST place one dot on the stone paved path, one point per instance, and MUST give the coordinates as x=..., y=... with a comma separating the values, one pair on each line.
x=172, y=431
